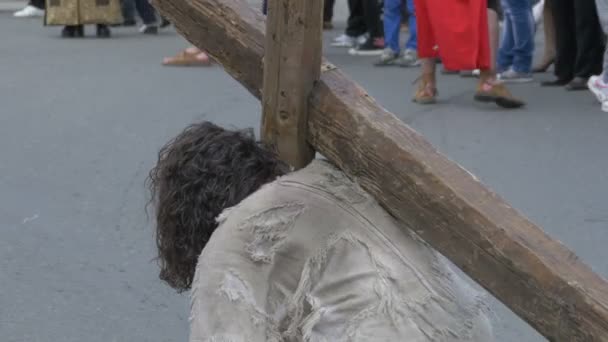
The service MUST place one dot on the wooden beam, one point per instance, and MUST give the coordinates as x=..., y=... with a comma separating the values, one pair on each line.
x=537, y=277
x=291, y=67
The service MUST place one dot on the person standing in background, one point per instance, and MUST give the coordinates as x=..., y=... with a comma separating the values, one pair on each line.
x=364, y=31
x=599, y=84
x=146, y=12
x=34, y=8
x=517, y=45
x=579, y=43
x=128, y=13
x=464, y=35
x=392, y=54
x=371, y=16
x=328, y=14
x=549, y=32
x=74, y=14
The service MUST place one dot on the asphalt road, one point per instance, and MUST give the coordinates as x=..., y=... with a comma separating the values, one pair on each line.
x=81, y=122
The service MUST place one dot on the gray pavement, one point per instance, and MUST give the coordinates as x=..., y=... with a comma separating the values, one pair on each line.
x=11, y=6
x=81, y=122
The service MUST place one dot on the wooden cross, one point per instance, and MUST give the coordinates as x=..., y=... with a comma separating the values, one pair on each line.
x=538, y=278
x=291, y=67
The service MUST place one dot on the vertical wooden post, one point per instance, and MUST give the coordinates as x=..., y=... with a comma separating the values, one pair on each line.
x=292, y=64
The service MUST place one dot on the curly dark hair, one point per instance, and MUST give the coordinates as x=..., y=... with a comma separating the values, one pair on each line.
x=201, y=172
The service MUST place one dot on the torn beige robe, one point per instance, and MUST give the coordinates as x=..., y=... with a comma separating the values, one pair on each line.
x=312, y=257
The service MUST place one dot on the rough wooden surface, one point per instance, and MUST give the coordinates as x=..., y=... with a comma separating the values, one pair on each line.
x=537, y=277
x=291, y=67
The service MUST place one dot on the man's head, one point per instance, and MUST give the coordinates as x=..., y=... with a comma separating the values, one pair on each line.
x=201, y=172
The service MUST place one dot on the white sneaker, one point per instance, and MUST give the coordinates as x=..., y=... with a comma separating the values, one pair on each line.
x=605, y=106
x=598, y=88
x=512, y=76
x=347, y=41
x=29, y=12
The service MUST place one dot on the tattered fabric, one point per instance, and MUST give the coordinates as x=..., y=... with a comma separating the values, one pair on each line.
x=312, y=257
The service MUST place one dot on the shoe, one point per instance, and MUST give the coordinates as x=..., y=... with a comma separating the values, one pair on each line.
x=605, y=106
x=347, y=41
x=79, y=31
x=426, y=92
x=371, y=47
x=497, y=93
x=388, y=57
x=148, y=29
x=578, y=83
x=598, y=88
x=409, y=59
x=512, y=76
x=327, y=25
x=29, y=11
x=103, y=31
x=73, y=31
x=556, y=82
x=164, y=23
x=543, y=66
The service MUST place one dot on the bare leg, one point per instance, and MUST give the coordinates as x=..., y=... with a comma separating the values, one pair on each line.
x=429, y=67
x=490, y=75
x=427, y=88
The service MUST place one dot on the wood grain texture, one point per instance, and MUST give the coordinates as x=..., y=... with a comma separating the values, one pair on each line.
x=537, y=277
x=291, y=67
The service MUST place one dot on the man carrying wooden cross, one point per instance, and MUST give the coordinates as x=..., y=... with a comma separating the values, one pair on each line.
x=271, y=255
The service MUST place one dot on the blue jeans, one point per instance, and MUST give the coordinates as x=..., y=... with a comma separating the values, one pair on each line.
x=517, y=45
x=392, y=24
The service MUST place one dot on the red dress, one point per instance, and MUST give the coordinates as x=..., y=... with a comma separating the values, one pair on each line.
x=455, y=30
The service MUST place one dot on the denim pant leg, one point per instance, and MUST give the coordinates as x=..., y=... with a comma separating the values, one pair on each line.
x=505, y=51
x=412, y=42
x=146, y=11
x=523, y=34
x=392, y=24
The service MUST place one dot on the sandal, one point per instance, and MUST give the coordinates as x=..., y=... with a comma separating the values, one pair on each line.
x=497, y=92
x=188, y=57
x=427, y=92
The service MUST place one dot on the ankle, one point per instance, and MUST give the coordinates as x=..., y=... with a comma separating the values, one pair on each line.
x=487, y=76
x=429, y=78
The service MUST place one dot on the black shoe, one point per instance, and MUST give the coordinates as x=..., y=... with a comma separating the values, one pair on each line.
x=103, y=31
x=371, y=47
x=578, y=83
x=129, y=23
x=149, y=29
x=164, y=23
x=68, y=31
x=79, y=31
x=557, y=82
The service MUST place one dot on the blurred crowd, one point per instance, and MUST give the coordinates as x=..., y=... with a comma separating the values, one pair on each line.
x=493, y=40
x=499, y=50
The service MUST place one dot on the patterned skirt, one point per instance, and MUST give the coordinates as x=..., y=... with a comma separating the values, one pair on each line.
x=82, y=12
